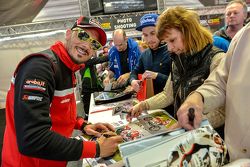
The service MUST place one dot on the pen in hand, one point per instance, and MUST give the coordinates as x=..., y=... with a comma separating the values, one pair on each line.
x=191, y=116
x=109, y=134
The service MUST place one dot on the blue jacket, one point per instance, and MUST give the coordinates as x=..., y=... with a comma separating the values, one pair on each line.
x=159, y=62
x=133, y=57
x=222, y=33
x=221, y=43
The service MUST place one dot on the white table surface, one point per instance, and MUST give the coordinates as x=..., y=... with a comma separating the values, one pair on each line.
x=103, y=116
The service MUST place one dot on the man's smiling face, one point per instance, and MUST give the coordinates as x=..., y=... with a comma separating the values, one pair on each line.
x=80, y=51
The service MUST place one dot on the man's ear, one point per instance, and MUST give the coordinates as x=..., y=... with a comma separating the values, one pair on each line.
x=68, y=34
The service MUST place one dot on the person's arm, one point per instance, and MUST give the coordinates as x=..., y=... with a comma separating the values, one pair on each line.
x=111, y=70
x=139, y=69
x=164, y=69
x=32, y=117
x=216, y=60
x=216, y=116
x=214, y=88
x=210, y=95
x=137, y=57
x=97, y=60
x=161, y=78
x=162, y=99
x=123, y=79
x=108, y=78
x=111, y=58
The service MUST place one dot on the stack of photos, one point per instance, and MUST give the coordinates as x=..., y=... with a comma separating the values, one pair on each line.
x=157, y=122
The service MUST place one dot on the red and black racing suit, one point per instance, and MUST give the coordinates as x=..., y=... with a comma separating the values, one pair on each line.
x=41, y=113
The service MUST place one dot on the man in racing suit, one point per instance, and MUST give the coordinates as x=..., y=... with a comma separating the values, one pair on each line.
x=41, y=108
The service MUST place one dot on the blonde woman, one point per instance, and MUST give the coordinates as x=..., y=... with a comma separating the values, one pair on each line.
x=193, y=58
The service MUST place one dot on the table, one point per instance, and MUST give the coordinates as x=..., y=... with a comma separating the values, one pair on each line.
x=104, y=113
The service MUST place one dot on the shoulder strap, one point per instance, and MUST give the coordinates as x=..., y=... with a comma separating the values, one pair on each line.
x=51, y=55
x=46, y=53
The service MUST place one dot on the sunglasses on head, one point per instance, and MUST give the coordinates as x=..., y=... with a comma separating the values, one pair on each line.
x=84, y=36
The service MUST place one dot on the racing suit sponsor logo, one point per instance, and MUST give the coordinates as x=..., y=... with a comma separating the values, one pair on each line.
x=33, y=87
x=65, y=101
x=34, y=84
x=32, y=98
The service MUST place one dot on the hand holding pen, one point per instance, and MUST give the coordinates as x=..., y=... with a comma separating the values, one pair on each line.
x=136, y=85
x=190, y=113
x=189, y=116
x=108, y=143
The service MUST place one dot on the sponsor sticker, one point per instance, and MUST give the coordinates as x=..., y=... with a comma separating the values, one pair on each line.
x=32, y=98
x=34, y=84
x=65, y=101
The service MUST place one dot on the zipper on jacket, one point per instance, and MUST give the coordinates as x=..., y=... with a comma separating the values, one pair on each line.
x=175, y=105
x=181, y=63
x=179, y=89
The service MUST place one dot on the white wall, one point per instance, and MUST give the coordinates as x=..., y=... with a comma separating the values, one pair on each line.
x=12, y=50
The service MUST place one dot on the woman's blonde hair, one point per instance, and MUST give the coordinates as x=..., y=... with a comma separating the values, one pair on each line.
x=195, y=36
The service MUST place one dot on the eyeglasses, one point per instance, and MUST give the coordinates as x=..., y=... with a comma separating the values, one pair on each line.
x=84, y=36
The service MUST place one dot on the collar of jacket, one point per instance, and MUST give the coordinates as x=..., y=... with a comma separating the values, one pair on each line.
x=161, y=47
x=189, y=61
x=222, y=33
x=62, y=53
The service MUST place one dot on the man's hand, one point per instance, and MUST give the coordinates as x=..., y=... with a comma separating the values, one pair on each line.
x=108, y=79
x=123, y=79
x=136, y=111
x=98, y=128
x=136, y=85
x=149, y=75
x=108, y=145
x=195, y=102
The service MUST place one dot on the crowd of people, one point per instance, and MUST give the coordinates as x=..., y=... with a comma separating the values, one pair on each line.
x=190, y=67
x=193, y=58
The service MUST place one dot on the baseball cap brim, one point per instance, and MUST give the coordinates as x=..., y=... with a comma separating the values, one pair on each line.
x=139, y=28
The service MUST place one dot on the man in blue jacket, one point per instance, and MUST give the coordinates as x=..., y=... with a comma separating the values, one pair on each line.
x=154, y=62
x=123, y=57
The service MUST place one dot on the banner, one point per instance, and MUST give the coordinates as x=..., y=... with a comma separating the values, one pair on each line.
x=119, y=22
